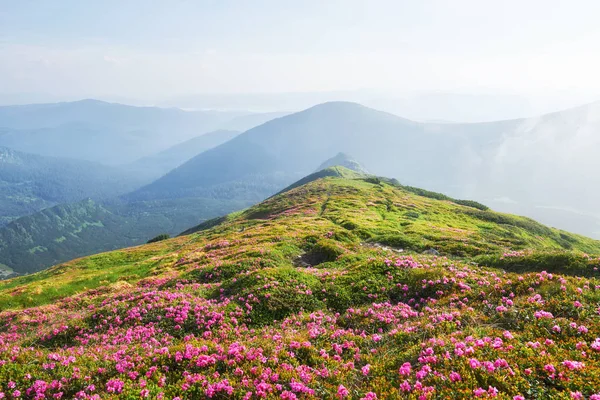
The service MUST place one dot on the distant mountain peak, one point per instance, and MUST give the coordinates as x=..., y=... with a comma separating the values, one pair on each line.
x=350, y=110
x=343, y=160
x=89, y=101
x=340, y=106
x=339, y=103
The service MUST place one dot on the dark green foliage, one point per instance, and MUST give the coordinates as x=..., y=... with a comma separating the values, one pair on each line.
x=327, y=250
x=205, y=225
x=349, y=225
x=281, y=291
x=554, y=262
x=505, y=219
x=391, y=181
x=440, y=196
x=426, y=193
x=412, y=214
x=373, y=179
x=399, y=241
x=162, y=236
x=471, y=203
x=322, y=251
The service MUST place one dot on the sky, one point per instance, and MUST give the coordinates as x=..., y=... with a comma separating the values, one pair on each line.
x=154, y=50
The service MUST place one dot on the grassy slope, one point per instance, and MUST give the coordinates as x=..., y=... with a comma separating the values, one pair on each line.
x=300, y=289
x=362, y=214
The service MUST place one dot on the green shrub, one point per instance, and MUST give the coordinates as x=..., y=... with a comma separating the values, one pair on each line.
x=326, y=250
x=349, y=225
x=426, y=193
x=471, y=203
x=399, y=240
x=281, y=292
x=521, y=222
x=373, y=179
x=162, y=236
x=554, y=262
x=412, y=214
x=440, y=196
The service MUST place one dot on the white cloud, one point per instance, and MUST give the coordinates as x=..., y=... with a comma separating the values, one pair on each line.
x=112, y=60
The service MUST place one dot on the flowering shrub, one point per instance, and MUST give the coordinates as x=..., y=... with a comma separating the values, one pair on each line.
x=229, y=316
x=429, y=328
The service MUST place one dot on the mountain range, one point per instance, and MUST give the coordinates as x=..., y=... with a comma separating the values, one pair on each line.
x=482, y=161
x=29, y=183
x=109, y=133
x=156, y=165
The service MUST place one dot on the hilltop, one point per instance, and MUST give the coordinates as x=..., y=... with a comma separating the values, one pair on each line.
x=343, y=160
x=346, y=286
x=369, y=212
x=288, y=148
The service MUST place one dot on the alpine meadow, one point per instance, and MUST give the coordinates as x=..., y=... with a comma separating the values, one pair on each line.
x=333, y=200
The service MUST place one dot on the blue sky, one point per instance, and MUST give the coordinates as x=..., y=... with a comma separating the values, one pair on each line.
x=156, y=49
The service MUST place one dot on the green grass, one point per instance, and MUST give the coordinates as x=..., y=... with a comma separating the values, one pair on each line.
x=68, y=279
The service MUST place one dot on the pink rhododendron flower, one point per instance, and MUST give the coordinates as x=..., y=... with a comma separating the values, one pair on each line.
x=342, y=392
x=405, y=369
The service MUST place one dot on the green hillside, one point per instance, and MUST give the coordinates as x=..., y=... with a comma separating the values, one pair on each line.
x=332, y=289
x=364, y=214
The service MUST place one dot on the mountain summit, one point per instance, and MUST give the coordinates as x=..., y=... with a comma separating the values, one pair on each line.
x=343, y=160
x=285, y=149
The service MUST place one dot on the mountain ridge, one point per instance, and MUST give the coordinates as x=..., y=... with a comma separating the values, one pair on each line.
x=154, y=166
x=264, y=160
x=32, y=182
x=111, y=133
x=475, y=160
x=379, y=211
